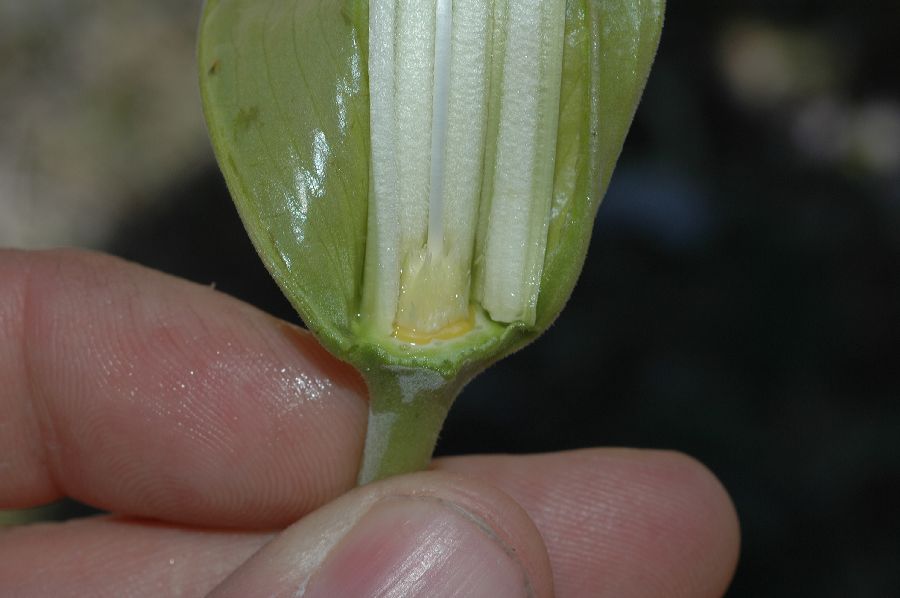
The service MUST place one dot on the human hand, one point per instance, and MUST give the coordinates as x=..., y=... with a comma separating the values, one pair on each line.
x=204, y=426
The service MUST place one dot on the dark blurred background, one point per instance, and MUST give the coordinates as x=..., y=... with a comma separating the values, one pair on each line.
x=741, y=298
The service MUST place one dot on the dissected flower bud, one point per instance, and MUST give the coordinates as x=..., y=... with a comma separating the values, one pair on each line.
x=421, y=176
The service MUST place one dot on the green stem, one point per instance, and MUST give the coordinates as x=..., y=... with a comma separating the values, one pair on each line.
x=407, y=409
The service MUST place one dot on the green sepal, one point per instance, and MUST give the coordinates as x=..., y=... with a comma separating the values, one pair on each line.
x=609, y=49
x=285, y=95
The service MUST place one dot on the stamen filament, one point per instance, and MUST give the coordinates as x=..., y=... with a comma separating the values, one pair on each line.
x=439, y=111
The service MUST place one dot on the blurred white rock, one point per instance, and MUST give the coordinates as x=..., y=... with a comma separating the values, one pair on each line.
x=99, y=112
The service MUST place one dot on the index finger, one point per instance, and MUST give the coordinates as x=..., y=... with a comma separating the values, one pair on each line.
x=143, y=394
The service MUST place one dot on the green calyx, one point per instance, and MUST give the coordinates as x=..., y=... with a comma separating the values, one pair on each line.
x=421, y=176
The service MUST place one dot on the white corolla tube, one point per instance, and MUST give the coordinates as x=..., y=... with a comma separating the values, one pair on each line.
x=464, y=98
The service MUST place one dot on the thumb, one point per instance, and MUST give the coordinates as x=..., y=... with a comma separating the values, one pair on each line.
x=426, y=534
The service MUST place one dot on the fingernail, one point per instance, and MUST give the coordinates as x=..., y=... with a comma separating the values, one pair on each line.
x=419, y=547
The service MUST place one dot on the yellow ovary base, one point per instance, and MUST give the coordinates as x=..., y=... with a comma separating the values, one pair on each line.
x=448, y=332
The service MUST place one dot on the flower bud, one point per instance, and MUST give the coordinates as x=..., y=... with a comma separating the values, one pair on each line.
x=420, y=176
